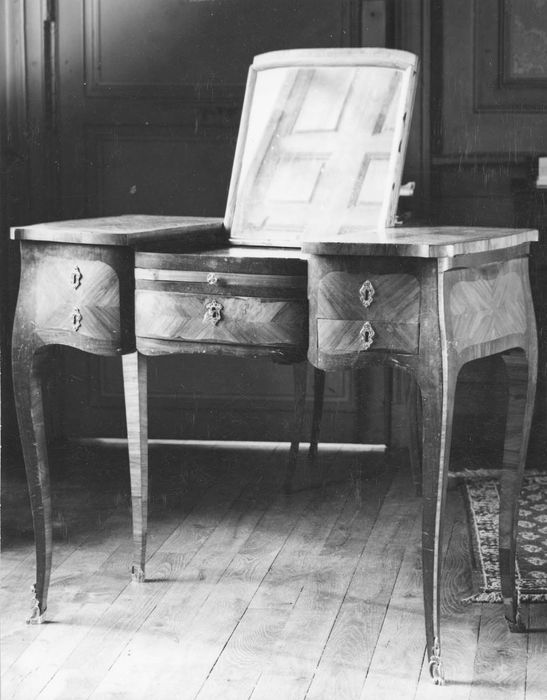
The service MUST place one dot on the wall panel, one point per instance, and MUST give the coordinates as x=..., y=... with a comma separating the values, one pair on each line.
x=489, y=126
x=175, y=170
x=195, y=49
x=493, y=99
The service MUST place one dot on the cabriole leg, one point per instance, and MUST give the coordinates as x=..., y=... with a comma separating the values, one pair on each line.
x=414, y=411
x=135, y=389
x=521, y=373
x=438, y=410
x=28, y=366
x=318, y=398
x=300, y=371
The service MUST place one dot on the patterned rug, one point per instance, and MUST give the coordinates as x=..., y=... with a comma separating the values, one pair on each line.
x=482, y=498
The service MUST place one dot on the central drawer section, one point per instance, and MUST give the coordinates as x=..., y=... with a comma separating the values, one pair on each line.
x=238, y=295
x=365, y=305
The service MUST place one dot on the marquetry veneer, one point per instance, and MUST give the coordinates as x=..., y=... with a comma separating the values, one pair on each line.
x=77, y=277
x=353, y=291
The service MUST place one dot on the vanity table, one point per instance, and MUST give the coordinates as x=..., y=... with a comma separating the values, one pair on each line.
x=429, y=300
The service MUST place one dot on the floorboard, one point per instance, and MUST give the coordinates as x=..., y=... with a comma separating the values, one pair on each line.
x=251, y=594
x=203, y=606
x=536, y=670
x=460, y=621
x=342, y=669
x=110, y=633
x=300, y=645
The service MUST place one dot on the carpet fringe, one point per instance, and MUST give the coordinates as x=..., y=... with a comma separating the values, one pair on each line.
x=488, y=473
x=493, y=597
x=533, y=598
x=483, y=597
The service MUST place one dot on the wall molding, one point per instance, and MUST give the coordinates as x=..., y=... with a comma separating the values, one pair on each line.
x=495, y=89
x=214, y=89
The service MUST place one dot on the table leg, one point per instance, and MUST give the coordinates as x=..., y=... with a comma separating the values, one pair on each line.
x=521, y=372
x=437, y=415
x=300, y=372
x=318, y=399
x=414, y=410
x=135, y=378
x=28, y=369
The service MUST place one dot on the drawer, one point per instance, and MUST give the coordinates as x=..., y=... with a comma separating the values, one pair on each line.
x=345, y=337
x=79, y=297
x=363, y=310
x=213, y=318
x=232, y=296
x=232, y=260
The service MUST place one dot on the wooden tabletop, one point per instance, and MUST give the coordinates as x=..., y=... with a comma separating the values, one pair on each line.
x=120, y=230
x=422, y=242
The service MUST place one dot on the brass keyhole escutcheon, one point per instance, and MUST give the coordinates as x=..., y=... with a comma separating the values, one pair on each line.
x=77, y=319
x=76, y=277
x=213, y=312
x=366, y=293
x=366, y=335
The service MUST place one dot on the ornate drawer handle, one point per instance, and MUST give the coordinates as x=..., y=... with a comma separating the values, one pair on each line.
x=213, y=312
x=76, y=277
x=77, y=319
x=366, y=335
x=366, y=293
x=212, y=278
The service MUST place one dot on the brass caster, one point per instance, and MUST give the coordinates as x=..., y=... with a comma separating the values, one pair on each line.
x=436, y=668
x=35, y=619
x=137, y=574
x=36, y=616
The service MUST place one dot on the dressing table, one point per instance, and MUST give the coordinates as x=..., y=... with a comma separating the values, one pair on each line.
x=427, y=300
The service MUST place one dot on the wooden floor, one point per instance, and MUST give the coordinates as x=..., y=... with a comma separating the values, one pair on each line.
x=250, y=593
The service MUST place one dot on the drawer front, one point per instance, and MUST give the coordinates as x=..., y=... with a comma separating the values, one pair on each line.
x=241, y=282
x=364, y=311
x=345, y=337
x=214, y=318
x=80, y=297
x=226, y=262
